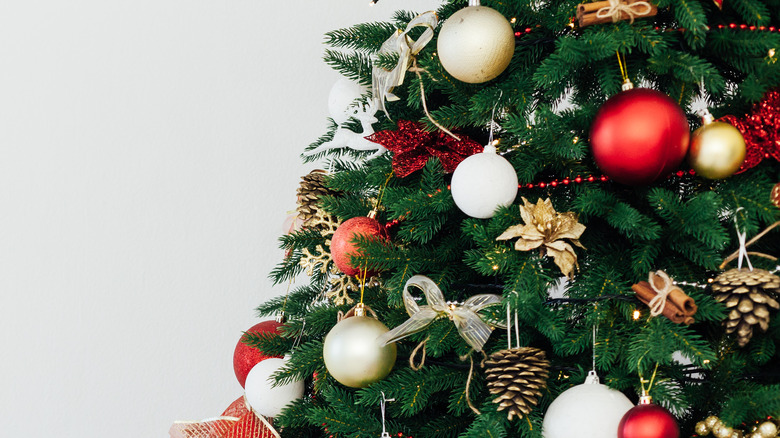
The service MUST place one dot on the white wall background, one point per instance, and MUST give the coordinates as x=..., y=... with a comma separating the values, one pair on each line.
x=148, y=156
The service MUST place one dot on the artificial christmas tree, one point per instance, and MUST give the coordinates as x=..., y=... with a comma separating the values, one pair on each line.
x=656, y=214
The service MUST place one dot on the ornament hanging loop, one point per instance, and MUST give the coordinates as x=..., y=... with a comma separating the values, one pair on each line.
x=742, y=236
x=474, y=3
x=382, y=407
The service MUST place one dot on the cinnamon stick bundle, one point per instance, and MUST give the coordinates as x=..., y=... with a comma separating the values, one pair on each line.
x=679, y=307
x=587, y=12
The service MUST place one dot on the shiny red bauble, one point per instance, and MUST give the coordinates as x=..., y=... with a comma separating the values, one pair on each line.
x=342, y=245
x=648, y=421
x=246, y=357
x=638, y=136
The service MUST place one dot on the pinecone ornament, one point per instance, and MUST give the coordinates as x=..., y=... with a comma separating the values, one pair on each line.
x=748, y=294
x=310, y=191
x=518, y=377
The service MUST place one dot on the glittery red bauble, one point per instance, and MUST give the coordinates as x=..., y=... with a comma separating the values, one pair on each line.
x=342, y=246
x=246, y=357
x=648, y=421
x=638, y=136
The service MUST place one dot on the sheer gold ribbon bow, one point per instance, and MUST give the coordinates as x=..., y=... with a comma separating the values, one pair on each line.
x=471, y=327
x=383, y=81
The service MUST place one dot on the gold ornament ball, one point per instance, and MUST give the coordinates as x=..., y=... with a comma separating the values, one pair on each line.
x=767, y=429
x=716, y=151
x=702, y=429
x=711, y=421
x=722, y=431
x=353, y=356
x=476, y=44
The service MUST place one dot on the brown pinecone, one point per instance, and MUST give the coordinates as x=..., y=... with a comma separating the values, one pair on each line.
x=518, y=377
x=310, y=191
x=748, y=295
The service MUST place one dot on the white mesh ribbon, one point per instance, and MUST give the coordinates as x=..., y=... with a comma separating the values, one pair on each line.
x=470, y=326
x=383, y=81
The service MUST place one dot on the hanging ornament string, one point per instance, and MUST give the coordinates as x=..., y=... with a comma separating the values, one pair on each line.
x=383, y=81
x=509, y=330
x=417, y=71
x=627, y=85
x=642, y=380
x=658, y=302
x=382, y=407
x=493, y=117
x=739, y=252
x=595, y=331
x=742, y=236
x=617, y=8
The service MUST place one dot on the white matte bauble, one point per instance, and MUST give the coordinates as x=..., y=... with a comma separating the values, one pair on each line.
x=483, y=182
x=590, y=410
x=343, y=95
x=352, y=354
x=261, y=394
x=476, y=44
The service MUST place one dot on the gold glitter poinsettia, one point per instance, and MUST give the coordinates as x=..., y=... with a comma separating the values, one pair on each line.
x=548, y=230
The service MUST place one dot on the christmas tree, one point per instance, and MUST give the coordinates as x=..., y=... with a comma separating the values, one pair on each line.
x=528, y=194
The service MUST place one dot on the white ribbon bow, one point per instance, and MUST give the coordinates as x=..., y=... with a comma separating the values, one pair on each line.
x=631, y=9
x=383, y=81
x=470, y=326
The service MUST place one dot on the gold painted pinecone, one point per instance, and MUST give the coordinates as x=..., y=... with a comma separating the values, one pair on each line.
x=518, y=377
x=748, y=295
x=310, y=191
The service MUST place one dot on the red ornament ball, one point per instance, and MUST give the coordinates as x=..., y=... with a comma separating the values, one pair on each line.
x=638, y=136
x=246, y=357
x=342, y=246
x=648, y=421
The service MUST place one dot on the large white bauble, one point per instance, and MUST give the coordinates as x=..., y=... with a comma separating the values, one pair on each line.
x=343, y=95
x=476, y=44
x=590, y=410
x=483, y=182
x=262, y=396
x=352, y=354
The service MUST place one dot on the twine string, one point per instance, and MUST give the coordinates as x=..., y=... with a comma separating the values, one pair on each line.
x=616, y=9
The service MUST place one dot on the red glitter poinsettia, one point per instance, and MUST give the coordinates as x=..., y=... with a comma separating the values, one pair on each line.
x=761, y=130
x=412, y=146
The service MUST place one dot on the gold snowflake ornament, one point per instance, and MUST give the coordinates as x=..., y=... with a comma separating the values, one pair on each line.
x=549, y=231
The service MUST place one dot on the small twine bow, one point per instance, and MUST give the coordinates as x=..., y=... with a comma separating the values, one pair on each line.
x=658, y=302
x=383, y=81
x=616, y=7
x=470, y=326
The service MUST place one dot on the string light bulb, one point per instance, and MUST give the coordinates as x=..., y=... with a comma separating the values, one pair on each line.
x=637, y=314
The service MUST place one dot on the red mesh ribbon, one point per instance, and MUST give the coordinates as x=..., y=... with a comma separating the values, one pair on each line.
x=761, y=130
x=412, y=146
x=238, y=421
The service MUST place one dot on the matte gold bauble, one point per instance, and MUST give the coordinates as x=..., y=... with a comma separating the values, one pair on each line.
x=353, y=356
x=717, y=150
x=476, y=44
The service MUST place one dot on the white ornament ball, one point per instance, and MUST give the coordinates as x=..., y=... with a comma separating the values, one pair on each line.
x=590, y=410
x=476, y=44
x=261, y=394
x=483, y=182
x=344, y=95
x=352, y=354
